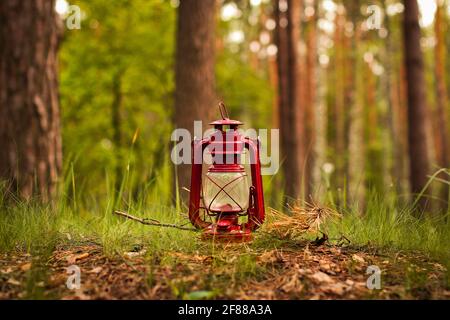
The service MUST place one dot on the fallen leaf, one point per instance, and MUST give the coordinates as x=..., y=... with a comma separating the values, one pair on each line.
x=132, y=254
x=96, y=270
x=273, y=256
x=79, y=295
x=7, y=270
x=57, y=280
x=26, y=267
x=322, y=277
x=74, y=258
x=335, y=251
x=358, y=258
x=337, y=288
x=325, y=266
x=293, y=284
x=13, y=281
x=439, y=267
x=360, y=284
x=349, y=282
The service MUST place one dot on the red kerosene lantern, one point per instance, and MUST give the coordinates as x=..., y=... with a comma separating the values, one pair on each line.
x=225, y=193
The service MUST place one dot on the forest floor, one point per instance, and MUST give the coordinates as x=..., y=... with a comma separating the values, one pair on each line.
x=310, y=253
x=295, y=270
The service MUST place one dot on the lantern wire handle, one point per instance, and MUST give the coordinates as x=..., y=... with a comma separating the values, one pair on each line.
x=223, y=110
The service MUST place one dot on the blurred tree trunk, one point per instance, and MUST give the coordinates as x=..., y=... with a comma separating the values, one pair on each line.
x=276, y=185
x=441, y=112
x=446, y=18
x=321, y=119
x=374, y=156
x=194, y=72
x=339, y=104
x=290, y=116
x=310, y=101
x=403, y=123
x=391, y=92
x=356, y=165
x=30, y=137
x=417, y=111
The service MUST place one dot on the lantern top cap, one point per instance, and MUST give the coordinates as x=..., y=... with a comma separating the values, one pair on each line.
x=225, y=118
x=224, y=122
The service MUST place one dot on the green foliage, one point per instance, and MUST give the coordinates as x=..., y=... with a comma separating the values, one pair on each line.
x=131, y=42
x=246, y=91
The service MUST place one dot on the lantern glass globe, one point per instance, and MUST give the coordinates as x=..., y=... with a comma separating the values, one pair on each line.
x=226, y=192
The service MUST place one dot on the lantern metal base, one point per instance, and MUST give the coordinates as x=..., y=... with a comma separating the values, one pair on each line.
x=234, y=235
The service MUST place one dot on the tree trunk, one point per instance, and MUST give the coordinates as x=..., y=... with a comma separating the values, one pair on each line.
x=30, y=138
x=374, y=166
x=391, y=79
x=339, y=106
x=194, y=71
x=403, y=124
x=417, y=111
x=275, y=185
x=321, y=118
x=310, y=102
x=356, y=148
x=446, y=19
x=290, y=117
x=441, y=112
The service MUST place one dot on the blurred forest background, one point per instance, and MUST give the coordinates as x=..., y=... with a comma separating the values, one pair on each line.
x=359, y=91
x=91, y=91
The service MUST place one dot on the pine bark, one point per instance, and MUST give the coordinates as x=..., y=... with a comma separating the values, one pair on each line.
x=339, y=105
x=403, y=124
x=391, y=92
x=356, y=147
x=321, y=118
x=194, y=72
x=290, y=115
x=310, y=102
x=276, y=184
x=417, y=109
x=442, y=132
x=375, y=165
x=30, y=137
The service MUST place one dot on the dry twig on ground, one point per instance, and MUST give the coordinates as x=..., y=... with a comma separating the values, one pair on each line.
x=152, y=222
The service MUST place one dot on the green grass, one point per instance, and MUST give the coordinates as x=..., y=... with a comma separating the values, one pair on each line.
x=30, y=226
x=390, y=227
x=37, y=229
